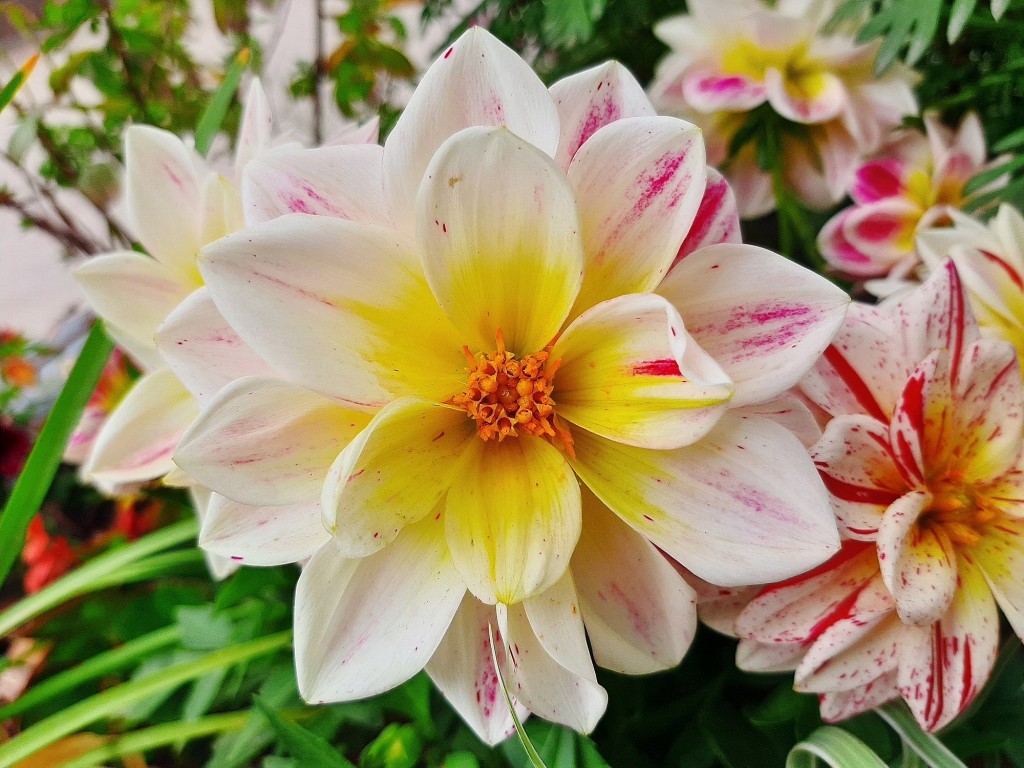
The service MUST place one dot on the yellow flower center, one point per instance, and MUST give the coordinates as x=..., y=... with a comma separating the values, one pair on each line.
x=960, y=513
x=507, y=396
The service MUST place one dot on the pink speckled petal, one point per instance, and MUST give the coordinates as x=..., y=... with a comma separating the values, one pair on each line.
x=989, y=411
x=365, y=626
x=852, y=653
x=336, y=305
x=639, y=183
x=944, y=665
x=136, y=442
x=841, y=705
x=630, y=372
x=883, y=230
x=764, y=319
x=548, y=662
x=272, y=535
x=639, y=613
x=162, y=188
x=863, y=371
x=841, y=253
x=500, y=241
x=394, y=472
x=857, y=465
x=717, y=220
x=720, y=507
x=133, y=293
x=477, y=81
x=512, y=517
x=809, y=99
x=921, y=432
x=592, y=99
x=264, y=441
x=918, y=563
x=878, y=179
x=462, y=668
x=342, y=181
x=203, y=350
x=937, y=315
x=708, y=90
x=1000, y=556
x=801, y=609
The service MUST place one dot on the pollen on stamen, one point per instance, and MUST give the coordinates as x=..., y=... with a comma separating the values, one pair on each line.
x=508, y=396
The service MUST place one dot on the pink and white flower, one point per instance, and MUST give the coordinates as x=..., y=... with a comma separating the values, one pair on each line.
x=924, y=463
x=728, y=59
x=916, y=182
x=990, y=260
x=545, y=396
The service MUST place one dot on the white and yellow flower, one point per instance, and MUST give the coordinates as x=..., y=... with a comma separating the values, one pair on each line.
x=538, y=417
x=727, y=59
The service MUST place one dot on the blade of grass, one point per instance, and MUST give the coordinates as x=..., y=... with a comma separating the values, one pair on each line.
x=835, y=747
x=932, y=751
x=167, y=734
x=34, y=481
x=213, y=116
x=99, y=570
x=117, y=699
x=8, y=91
x=96, y=666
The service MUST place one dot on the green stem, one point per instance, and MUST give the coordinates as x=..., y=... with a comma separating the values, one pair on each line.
x=33, y=483
x=928, y=747
x=119, y=698
x=100, y=571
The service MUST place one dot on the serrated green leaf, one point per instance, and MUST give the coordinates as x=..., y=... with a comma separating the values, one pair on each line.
x=836, y=748
x=909, y=22
x=571, y=21
x=958, y=16
x=305, y=746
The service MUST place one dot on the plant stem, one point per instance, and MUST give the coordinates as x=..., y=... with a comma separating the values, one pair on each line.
x=116, y=700
x=97, y=571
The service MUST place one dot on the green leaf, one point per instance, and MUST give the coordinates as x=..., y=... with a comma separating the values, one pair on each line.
x=571, y=21
x=905, y=22
x=836, y=748
x=237, y=750
x=735, y=741
x=1010, y=141
x=203, y=628
x=986, y=177
x=8, y=91
x=33, y=483
x=460, y=760
x=397, y=746
x=119, y=698
x=958, y=16
x=213, y=116
x=231, y=15
x=931, y=750
x=300, y=743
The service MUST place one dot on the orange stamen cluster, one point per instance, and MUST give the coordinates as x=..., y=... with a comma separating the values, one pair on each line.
x=960, y=515
x=507, y=396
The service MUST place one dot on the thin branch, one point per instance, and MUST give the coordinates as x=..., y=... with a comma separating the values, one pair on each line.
x=118, y=44
x=68, y=238
x=318, y=72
